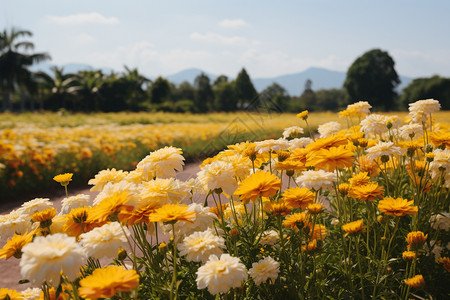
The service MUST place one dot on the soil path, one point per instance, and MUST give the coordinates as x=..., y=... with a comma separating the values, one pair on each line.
x=10, y=270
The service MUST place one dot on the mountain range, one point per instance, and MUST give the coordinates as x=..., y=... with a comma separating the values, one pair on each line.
x=294, y=83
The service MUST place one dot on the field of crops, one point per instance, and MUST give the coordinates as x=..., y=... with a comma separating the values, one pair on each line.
x=355, y=208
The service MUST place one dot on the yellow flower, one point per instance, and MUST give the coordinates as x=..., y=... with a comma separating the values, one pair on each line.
x=331, y=158
x=310, y=247
x=359, y=179
x=344, y=188
x=353, y=227
x=334, y=140
x=295, y=221
x=259, y=184
x=319, y=232
x=303, y=115
x=105, y=282
x=63, y=179
x=298, y=197
x=110, y=205
x=289, y=165
x=277, y=209
x=43, y=216
x=415, y=282
x=13, y=247
x=370, y=191
x=77, y=221
x=446, y=262
x=440, y=138
x=397, y=207
x=409, y=255
x=10, y=294
x=315, y=208
x=172, y=213
x=416, y=239
x=368, y=165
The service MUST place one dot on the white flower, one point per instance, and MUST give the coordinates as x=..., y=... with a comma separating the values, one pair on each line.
x=374, y=124
x=220, y=275
x=299, y=143
x=292, y=132
x=200, y=245
x=104, y=241
x=218, y=175
x=269, y=237
x=274, y=145
x=363, y=107
x=427, y=106
x=14, y=222
x=327, y=129
x=204, y=219
x=383, y=149
x=35, y=205
x=31, y=294
x=266, y=268
x=162, y=163
x=123, y=187
x=316, y=179
x=46, y=257
x=72, y=202
x=440, y=221
x=163, y=191
x=418, y=116
x=105, y=176
x=411, y=131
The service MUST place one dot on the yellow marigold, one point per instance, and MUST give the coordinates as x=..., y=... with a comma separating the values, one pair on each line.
x=217, y=211
x=363, y=143
x=440, y=138
x=416, y=239
x=77, y=221
x=310, y=247
x=397, y=207
x=298, y=197
x=315, y=208
x=172, y=213
x=319, y=232
x=368, y=165
x=13, y=247
x=10, y=294
x=63, y=179
x=109, y=206
x=45, y=215
x=446, y=262
x=415, y=282
x=295, y=221
x=282, y=155
x=344, y=188
x=353, y=227
x=370, y=191
x=105, y=282
x=139, y=214
x=290, y=165
x=277, y=209
x=303, y=115
x=259, y=184
x=299, y=154
x=334, y=140
x=359, y=179
x=409, y=255
x=331, y=159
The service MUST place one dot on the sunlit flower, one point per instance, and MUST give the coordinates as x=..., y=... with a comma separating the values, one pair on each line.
x=74, y=202
x=319, y=232
x=126, y=189
x=368, y=165
x=359, y=179
x=105, y=282
x=163, y=191
x=276, y=209
x=46, y=257
x=330, y=159
x=290, y=165
x=344, y=188
x=383, y=149
x=440, y=138
x=112, y=205
x=315, y=208
x=269, y=237
x=10, y=294
x=220, y=275
x=31, y=294
x=218, y=175
x=411, y=131
x=416, y=239
x=162, y=163
x=374, y=124
x=200, y=245
x=353, y=227
x=415, y=282
x=106, y=176
x=300, y=143
x=44, y=215
x=172, y=213
x=310, y=247
x=259, y=184
x=408, y=255
x=295, y=221
x=266, y=268
x=298, y=197
x=13, y=246
x=77, y=222
x=397, y=207
x=35, y=205
x=303, y=115
x=105, y=241
x=204, y=219
x=271, y=145
x=327, y=129
x=292, y=132
x=63, y=179
x=427, y=106
x=316, y=179
x=14, y=222
x=362, y=107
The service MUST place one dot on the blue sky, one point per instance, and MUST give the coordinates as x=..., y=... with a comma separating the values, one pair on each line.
x=268, y=38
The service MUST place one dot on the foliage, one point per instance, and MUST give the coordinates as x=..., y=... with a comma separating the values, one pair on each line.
x=425, y=88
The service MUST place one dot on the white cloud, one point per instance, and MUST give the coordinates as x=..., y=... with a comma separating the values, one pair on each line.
x=88, y=18
x=217, y=38
x=236, y=23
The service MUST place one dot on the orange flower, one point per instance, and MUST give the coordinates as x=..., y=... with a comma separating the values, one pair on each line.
x=310, y=247
x=331, y=158
x=409, y=255
x=298, y=197
x=359, y=179
x=370, y=191
x=315, y=208
x=368, y=165
x=415, y=282
x=259, y=184
x=169, y=213
x=296, y=221
x=446, y=262
x=277, y=209
x=397, y=207
x=319, y=232
x=416, y=239
x=353, y=227
x=13, y=247
x=78, y=221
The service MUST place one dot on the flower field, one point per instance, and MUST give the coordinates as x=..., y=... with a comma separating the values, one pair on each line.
x=358, y=211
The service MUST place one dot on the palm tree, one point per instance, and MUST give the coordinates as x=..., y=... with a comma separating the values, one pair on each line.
x=14, y=63
x=90, y=83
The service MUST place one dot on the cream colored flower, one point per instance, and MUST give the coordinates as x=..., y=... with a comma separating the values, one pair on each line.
x=362, y=107
x=383, y=149
x=374, y=124
x=162, y=163
x=316, y=179
x=327, y=129
x=200, y=245
x=46, y=257
x=72, y=202
x=427, y=106
x=35, y=205
x=104, y=241
x=31, y=294
x=411, y=131
x=274, y=145
x=14, y=222
x=220, y=275
x=163, y=191
x=266, y=268
x=292, y=132
x=440, y=221
x=123, y=187
x=218, y=175
x=204, y=219
x=300, y=143
x=106, y=176
x=269, y=237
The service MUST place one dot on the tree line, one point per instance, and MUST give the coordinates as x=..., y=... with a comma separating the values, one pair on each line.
x=371, y=77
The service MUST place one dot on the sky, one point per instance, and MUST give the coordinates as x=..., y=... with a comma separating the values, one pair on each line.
x=268, y=38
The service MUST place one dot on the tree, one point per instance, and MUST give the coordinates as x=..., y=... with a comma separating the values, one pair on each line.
x=226, y=99
x=89, y=86
x=184, y=91
x=373, y=77
x=204, y=96
x=245, y=91
x=424, y=88
x=160, y=90
x=14, y=63
x=275, y=97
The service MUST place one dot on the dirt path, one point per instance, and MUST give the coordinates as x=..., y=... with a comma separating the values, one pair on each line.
x=10, y=270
